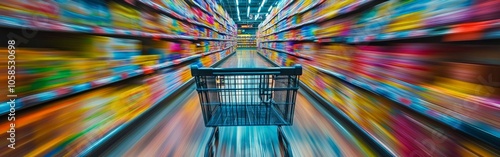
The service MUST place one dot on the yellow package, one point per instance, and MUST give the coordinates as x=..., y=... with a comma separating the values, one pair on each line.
x=124, y=16
x=406, y=22
x=129, y=100
x=144, y=58
x=467, y=88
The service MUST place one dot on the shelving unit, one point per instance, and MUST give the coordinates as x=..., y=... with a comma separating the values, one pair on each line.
x=72, y=28
x=40, y=98
x=344, y=43
x=95, y=147
x=106, y=62
x=447, y=32
x=246, y=41
x=290, y=53
x=220, y=34
x=200, y=22
x=376, y=143
x=346, y=10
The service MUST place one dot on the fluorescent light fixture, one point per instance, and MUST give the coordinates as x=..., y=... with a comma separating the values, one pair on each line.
x=269, y=9
x=237, y=2
x=238, y=9
x=262, y=4
x=248, y=11
x=249, y=1
x=257, y=16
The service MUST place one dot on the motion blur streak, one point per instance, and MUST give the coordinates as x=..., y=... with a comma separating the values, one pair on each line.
x=317, y=134
x=179, y=134
x=182, y=132
x=68, y=126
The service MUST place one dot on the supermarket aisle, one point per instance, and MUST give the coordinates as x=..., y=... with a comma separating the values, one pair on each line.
x=179, y=130
x=245, y=58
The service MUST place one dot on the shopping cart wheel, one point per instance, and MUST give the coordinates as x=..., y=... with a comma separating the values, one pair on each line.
x=284, y=144
x=212, y=143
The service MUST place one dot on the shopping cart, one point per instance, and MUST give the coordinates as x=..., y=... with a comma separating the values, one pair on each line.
x=247, y=97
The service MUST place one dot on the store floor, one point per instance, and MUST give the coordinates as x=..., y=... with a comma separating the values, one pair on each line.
x=178, y=129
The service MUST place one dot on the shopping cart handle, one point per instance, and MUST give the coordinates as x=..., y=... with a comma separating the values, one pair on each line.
x=295, y=70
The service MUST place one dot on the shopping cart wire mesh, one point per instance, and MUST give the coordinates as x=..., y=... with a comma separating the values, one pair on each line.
x=247, y=96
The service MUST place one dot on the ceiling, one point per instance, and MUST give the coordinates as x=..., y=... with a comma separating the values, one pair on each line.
x=231, y=8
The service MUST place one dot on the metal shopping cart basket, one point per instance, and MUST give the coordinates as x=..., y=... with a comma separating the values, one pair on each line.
x=247, y=97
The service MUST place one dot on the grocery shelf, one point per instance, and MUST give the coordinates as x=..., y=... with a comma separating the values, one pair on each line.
x=357, y=23
x=376, y=142
x=174, y=62
x=35, y=99
x=172, y=13
x=96, y=146
x=74, y=28
x=419, y=33
x=39, y=98
x=410, y=34
x=273, y=16
x=206, y=11
x=223, y=17
x=211, y=52
x=372, y=139
x=208, y=38
x=114, y=132
x=290, y=53
x=296, y=26
x=246, y=41
x=293, y=39
x=198, y=5
x=300, y=12
x=354, y=7
x=484, y=132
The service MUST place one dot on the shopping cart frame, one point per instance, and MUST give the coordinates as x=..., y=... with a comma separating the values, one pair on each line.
x=247, y=97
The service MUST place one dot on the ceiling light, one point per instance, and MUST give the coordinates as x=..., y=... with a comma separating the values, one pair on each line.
x=237, y=2
x=248, y=11
x=262, y=4
x=238, y=9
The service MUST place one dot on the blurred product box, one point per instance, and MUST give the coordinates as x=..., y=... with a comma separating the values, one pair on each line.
x=165, y=24
x=124, y=16
x=448, y=12
x=30, y=11
x=150, y=21
x=93, y=12
x=407, y=15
